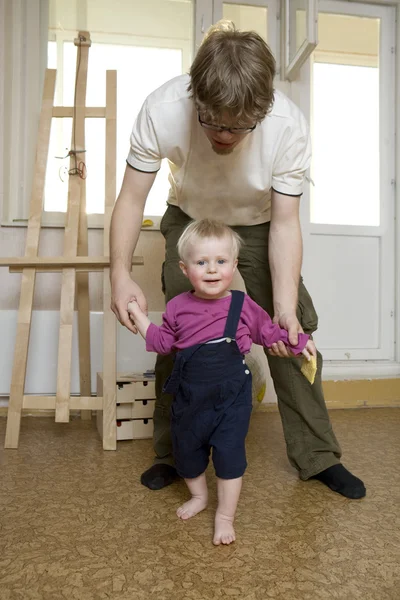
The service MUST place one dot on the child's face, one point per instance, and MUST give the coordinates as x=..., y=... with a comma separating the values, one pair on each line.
x=209, y=265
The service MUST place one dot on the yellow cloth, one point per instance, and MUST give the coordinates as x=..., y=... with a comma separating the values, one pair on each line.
x=309, y=369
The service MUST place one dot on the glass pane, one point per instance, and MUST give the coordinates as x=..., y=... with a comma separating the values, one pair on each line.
x=52, y=55
x=56, y=185
x=94, y=157
x=346, y=127
x=247, y=18
x=147, y=43
x=297, y=26
x=140, y=70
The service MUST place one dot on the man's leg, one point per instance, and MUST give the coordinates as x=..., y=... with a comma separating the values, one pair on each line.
x=163, y=472
x=311, y=444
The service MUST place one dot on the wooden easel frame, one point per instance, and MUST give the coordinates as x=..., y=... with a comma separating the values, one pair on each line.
x=75, y=266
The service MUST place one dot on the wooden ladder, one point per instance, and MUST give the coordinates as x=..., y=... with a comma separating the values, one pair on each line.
x=75, y=265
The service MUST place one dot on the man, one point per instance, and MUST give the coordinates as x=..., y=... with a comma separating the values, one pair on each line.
x=238, y=151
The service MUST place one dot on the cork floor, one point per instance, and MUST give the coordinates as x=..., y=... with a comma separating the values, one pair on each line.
x=75, y=523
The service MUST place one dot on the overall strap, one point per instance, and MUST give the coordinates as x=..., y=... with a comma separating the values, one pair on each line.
x=233, y=317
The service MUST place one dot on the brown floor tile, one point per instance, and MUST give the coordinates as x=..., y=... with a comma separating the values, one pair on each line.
x=75, y=523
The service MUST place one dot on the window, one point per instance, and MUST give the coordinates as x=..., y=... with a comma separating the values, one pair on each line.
x=154, y=40
x=346, y=132
x=350, y=225
x=300, y=34
x=247, y=18
x=261, y=16
x=140, y=70
x=143, y=58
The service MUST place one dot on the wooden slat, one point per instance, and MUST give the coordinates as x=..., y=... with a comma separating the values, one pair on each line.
x=28, y=276
x=75, y=197
x=58, y=263
x=65, y=346
x=67, y=304
x=75, y=402
x=91, y=112
x=109, y=322
x=83, y=303
x=82, y=279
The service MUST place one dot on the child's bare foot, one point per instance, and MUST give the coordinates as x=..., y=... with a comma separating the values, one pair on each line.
x=223, y=532
x=193, y=506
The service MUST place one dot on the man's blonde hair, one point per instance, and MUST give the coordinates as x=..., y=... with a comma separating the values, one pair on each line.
x=207, y=228
x=232, y=73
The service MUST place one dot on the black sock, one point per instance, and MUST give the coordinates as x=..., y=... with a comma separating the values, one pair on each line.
x=159, y=476
x=340, y=480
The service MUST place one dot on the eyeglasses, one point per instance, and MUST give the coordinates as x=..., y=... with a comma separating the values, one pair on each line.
x=230, y=129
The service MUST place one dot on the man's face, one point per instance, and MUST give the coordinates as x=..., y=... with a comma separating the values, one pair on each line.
x=224, y=141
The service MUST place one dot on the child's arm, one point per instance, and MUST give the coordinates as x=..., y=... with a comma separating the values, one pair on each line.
x=136, y=315
x=160, y=339
x=265, y=333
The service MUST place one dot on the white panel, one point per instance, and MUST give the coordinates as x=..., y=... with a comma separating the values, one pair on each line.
x=42, y=358
x=273, y=33
x=345, y=290
x=134, y=17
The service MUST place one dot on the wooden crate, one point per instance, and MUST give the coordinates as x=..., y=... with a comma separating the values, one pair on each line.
x=135, y=399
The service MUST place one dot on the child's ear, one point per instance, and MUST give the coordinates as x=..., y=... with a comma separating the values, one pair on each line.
x=235, y=264
x=183, y=267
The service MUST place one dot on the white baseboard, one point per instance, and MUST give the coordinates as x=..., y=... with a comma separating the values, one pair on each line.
x=340, y=370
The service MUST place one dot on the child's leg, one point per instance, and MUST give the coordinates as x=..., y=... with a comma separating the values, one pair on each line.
x=198, y=501
x=228, y=497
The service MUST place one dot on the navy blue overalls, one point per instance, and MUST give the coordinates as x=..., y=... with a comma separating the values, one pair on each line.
x=212, y=403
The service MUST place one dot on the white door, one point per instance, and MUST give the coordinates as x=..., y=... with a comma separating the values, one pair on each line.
x=348, y=215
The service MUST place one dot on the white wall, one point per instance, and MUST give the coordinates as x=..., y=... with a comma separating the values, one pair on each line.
x=43, y=351
x=151, y=245
x=133, y=17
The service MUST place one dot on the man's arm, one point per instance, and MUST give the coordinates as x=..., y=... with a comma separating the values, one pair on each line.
x=285, y=258
x=285, y=252
x=126, y=223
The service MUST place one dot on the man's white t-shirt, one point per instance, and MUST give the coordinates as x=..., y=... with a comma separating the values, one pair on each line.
x=234, y=188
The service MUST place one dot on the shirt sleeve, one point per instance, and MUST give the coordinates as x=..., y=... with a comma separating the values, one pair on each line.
x=161, y=339
x=292, y=160
x=144, y=153
x=264, y=332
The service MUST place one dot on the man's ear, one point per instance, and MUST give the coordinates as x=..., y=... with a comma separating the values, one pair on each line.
x=183, y=267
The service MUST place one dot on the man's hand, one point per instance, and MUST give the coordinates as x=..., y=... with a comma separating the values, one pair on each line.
x=291, y=323
x=124, y=290
x=309, y=350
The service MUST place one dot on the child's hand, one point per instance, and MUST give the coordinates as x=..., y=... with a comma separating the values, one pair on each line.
x=134, y=310
x=309, y=350
x=138, y=317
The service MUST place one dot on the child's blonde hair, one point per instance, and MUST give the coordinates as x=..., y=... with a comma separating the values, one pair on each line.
x=207, y=228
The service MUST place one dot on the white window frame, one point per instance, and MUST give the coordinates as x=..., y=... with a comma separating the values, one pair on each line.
x=22, y=66
x=387, y=99
x=292, y=66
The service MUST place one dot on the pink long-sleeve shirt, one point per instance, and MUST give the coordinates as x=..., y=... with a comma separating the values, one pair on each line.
x=189, y=320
